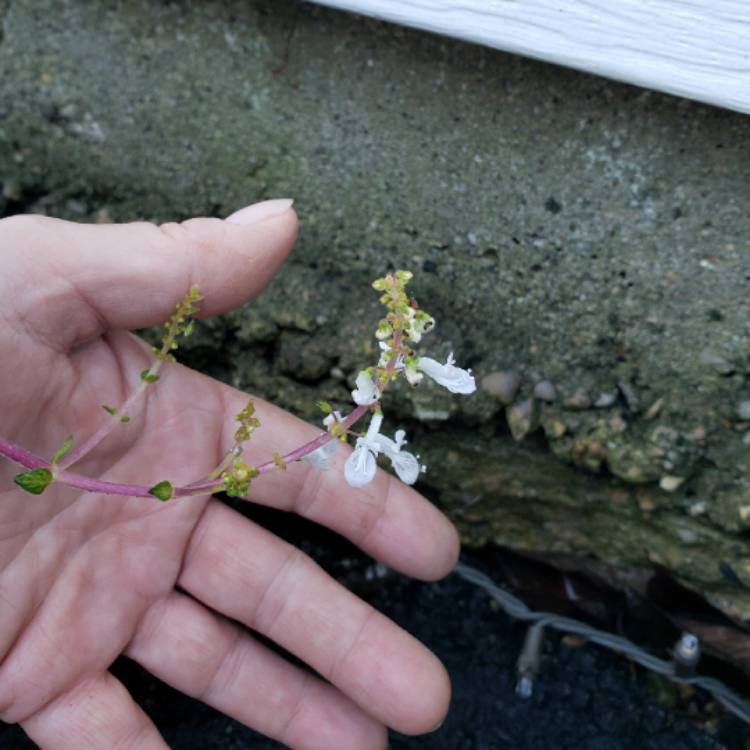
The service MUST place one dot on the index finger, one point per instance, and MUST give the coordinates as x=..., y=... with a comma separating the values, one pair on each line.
x=94, y=278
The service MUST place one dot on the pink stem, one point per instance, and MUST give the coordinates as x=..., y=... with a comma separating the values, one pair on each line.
x=76, y=454
x=25, y=458
x=28, y=460
x=21, y=456
x=295, y=455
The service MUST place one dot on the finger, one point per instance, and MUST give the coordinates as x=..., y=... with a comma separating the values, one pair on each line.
x=388, y=519
x=182, y=643
x=243, y=571
x=97, y=714
x=71, y=282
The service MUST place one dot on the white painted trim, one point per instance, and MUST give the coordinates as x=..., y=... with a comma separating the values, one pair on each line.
x=699, y=49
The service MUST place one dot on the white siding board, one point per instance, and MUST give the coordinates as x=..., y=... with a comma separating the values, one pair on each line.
x=699, y=49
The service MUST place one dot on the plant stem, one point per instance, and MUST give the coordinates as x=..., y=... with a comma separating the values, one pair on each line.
x=21, y=456
x=76, y=454
x=294, y=455
x=28, y=460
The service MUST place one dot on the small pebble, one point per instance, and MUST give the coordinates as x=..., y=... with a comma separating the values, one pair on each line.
x=545, y=390
x=521, y=418
x=654, y=409
x=579, y=400
x=555, y=428
x=670, y=483
x=743, y=410
x=698, y=508
x=646, y=503
x=605, y=399
x=502, y=385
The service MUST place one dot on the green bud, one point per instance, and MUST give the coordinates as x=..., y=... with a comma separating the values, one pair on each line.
x=34, y=481
x=147, y=377
x=63, y=450
x=162, y=491
x=237, y=480
x=383, y=331
x=404, y=276
x=324, y=406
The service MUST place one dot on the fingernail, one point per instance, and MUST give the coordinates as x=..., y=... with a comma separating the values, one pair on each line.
x=258, y=212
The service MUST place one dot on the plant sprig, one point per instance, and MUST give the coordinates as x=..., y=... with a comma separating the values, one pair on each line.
x=403, y=325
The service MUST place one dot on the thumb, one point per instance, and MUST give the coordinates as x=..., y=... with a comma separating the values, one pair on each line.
x=72, y=282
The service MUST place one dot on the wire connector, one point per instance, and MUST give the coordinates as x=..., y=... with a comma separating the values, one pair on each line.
x=529, y=661
x=686, y=654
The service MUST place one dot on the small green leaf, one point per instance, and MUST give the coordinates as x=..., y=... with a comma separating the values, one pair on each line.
x=34, y=481
x=109, y=409
x=147, y=377
x=124, y=418
x=63, y=450
x=162, y=491
x=325, y=407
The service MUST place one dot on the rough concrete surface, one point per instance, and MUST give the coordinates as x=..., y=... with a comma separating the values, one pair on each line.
x=563, y=227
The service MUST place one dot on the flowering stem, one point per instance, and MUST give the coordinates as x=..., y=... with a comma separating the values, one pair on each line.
x=179, y=324
x=28, y=460
x=210, y=484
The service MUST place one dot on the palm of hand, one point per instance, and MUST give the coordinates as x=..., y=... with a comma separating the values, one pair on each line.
x=84, y=577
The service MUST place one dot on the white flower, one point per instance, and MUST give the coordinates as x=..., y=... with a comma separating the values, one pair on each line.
x=322, y=457
x=453, y=378
x=361, y=466
x=404, y=463
x=366, y=392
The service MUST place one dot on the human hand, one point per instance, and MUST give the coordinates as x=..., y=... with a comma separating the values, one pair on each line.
x=86, y=577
